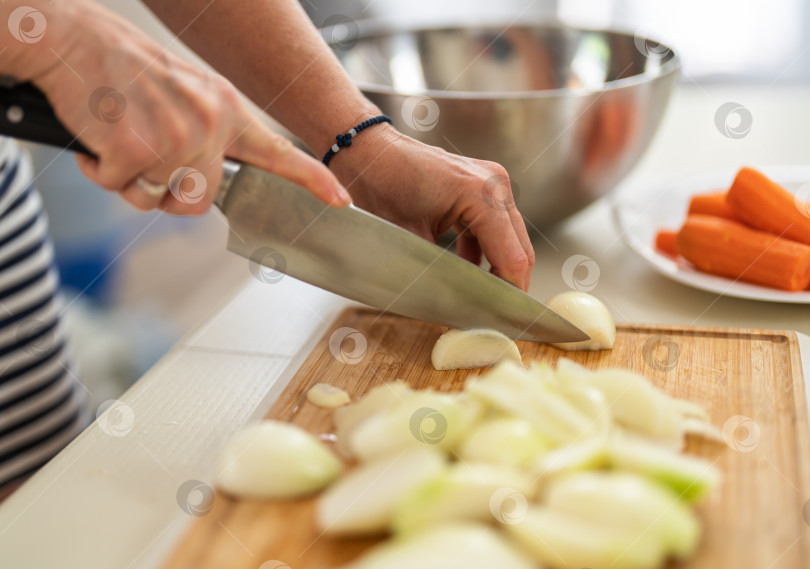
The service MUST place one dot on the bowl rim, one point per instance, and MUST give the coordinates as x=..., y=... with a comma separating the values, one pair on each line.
x=370, y=27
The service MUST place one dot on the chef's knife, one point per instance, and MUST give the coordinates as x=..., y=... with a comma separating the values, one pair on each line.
x=277, y=223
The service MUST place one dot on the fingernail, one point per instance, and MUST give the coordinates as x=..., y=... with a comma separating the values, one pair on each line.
x=342, y=195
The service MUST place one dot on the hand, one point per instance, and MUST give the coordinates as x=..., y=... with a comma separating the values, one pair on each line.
x=146, y=113
x=428, y=191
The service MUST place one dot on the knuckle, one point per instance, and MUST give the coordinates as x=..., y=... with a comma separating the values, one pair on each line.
x=207, y=104
x=177, y=134
x=281, y=145
x=220, y=94
x=491, y=169
x=519, y=262
x=132, y=153
x=111, y=175
x=228, y=94
x=208, y=117
x=530, y=258
x=495, y=168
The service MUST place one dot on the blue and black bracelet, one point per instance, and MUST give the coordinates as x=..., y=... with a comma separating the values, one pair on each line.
x=344, y=140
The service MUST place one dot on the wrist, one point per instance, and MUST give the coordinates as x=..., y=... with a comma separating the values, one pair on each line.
x=367, y=149
x=339, y=121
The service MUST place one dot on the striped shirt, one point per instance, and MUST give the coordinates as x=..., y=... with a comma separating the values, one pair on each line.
x=40, y=401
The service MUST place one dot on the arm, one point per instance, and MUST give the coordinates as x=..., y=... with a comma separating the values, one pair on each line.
x=273, y=53
x=142, y=112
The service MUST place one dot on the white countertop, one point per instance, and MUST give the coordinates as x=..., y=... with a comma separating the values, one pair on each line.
x=111, y=500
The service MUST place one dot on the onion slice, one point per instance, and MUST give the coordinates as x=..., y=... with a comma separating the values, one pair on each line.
x=590, y=315
x=327, y=396
x=469, y=349
x=274, y=460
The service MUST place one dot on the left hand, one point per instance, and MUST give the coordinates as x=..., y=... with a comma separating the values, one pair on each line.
x=428, y=191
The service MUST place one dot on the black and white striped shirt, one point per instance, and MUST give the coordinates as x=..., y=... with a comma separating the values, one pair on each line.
x=40, y=401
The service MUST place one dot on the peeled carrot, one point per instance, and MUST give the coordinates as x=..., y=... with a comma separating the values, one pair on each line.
x=713, y=204
x=765, y=205
x=666, y=242
x=730, y=249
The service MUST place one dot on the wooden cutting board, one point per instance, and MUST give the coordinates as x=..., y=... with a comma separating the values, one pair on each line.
x=750, y=381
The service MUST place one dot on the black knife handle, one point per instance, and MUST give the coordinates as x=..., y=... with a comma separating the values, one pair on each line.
x=27, y=114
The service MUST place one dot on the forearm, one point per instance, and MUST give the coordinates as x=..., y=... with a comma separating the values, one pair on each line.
x=271, y=51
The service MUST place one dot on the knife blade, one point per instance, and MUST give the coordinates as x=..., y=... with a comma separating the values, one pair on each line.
x=277, y=223
x=357, y=255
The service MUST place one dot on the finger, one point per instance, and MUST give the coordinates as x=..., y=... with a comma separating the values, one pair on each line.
x=525, y=241
x=115, y=169
x=90, y=167
x=501, y=246
x=192, y=188
x=144, y=196
x=264, y=149
x=467, y=246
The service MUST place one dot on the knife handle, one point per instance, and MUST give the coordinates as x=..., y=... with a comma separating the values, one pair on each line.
x=27, y=114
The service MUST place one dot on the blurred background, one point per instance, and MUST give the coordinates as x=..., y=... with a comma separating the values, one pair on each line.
x=135, y=283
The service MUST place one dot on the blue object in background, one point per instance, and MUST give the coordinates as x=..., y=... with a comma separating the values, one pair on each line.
x=87, y=224
x=93, y=231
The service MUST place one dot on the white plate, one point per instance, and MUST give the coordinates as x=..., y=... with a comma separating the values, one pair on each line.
x=639, y=215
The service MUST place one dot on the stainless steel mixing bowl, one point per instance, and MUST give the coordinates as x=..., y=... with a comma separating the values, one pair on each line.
x=568, y=112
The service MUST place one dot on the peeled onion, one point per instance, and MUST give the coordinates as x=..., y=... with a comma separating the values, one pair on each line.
x=275, y=460
x=469, y=349
x=590, y=315
x=364, y=500
x=328, y=396
x=457, y=545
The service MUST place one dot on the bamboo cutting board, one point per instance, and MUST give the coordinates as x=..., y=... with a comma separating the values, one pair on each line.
x=750, y=381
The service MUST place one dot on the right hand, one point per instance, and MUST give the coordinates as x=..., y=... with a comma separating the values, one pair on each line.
x=145, y=112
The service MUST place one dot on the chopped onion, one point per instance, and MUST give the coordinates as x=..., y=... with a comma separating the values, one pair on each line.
x=690, y=477
x=465, y=491
x=377, y=400
x=503, y=440
x=590, y=315
x=704, y=429
x=458, y=545
x=600, y=450
x=634, y=402
x=651, y=510
x=327, y=396
x=274, y=460
x=476, y=348
x=422, y=419
x=589, y=453
x=515, y=390
x=363, y=501
x=566, y=541
x=689, y=410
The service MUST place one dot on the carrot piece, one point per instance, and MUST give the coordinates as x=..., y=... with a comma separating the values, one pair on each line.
x=665, y=242
x=730, y=249
x=765, y=205
x=713, y=204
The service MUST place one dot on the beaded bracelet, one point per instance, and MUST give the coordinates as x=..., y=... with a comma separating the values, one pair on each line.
x=344, y=140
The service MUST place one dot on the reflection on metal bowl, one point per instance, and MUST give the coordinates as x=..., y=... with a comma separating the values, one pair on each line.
x=567, y=111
